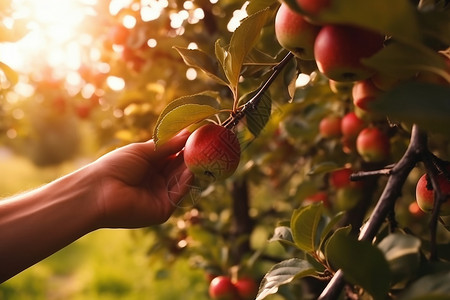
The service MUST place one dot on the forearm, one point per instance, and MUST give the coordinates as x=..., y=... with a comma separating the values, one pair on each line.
x=36, y=224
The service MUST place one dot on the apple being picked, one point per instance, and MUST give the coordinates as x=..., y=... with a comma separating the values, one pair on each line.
x=212, y=152
x=222, y=288
x=425, y=194
x=340, y=49
x=294, y=33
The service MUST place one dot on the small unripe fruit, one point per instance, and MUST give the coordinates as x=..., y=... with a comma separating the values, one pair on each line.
x=373, y=145
x=340, y=49
x=221, y=288
x=294, y=33
x=330, y=126
x=212, y=152
x=425, y=194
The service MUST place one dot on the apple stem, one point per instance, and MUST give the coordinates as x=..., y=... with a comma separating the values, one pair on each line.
x=253, y=103
x=386, y=202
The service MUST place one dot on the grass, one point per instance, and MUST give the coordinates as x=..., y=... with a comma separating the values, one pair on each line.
x=107, y=264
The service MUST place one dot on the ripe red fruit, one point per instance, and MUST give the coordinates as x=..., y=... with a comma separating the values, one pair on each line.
x=212, y=152
x=373, y=145
x=425, y=194
x=294, y=33
x=317, y=197
x=351, y=125
x=247, y=288
x=330, y=126
x=313, y=7
x=221, y=288
x=364, y=92
x=339, y=49
x=340, y=178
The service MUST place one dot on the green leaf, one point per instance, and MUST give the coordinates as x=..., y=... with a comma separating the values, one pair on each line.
x=282, y=234
x=198, y=59
x=402, y=60
x=283, y=273
x=242, y=41
x=183, y=112
x=10, y=74
x=323, y=168
x=430, y=287
x=436, y=25
x=426, y=105
x=403, y=255
x=362, y=263
x=304, y=225
x=257, y=5
x=329, y=227
x=258, y=118
x=395, y=18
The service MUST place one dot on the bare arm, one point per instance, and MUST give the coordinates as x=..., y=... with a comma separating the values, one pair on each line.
x=134, y=186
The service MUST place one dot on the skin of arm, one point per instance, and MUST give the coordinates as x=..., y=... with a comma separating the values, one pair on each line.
x=130, y=187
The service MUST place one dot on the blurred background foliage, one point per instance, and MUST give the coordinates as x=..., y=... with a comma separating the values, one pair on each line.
x=82, y=77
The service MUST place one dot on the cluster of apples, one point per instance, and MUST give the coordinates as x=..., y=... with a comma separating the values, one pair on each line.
x=337, y=48
x=224, y=287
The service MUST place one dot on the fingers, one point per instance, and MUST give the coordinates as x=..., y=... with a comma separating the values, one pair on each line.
x=174, y=145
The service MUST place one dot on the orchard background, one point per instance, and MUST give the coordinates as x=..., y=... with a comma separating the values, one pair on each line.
x=80, y=78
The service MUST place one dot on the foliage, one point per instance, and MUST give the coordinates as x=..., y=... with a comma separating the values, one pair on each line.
x=263, y=221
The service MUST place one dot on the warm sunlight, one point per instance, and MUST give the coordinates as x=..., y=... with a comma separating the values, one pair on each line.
x=52, y=39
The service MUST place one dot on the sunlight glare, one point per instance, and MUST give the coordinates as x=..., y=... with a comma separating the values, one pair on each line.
x=53, y=29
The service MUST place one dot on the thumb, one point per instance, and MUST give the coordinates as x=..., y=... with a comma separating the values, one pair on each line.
x=174, y=145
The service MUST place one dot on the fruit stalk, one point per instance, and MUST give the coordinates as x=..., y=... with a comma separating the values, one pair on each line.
x=251, y=104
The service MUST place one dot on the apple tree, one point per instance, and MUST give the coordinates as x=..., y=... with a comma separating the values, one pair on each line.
x=340, y=110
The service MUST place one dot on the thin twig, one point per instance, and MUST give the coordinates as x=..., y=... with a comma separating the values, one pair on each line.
x=252, y=104
x=392, y=190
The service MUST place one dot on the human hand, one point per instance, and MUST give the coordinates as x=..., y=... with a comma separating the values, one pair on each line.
x=138, y=185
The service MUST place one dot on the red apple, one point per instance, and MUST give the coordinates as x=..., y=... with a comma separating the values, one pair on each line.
x=365, y=92
x=319, y=196
x=247, y=288
x=212, y=152
x=294, y=33
x=313, y=7
x=330, y=126
x=339, y=50
x=340, y=178
x=351, y=125
x=425, y=194
x=373, y=145
x=221, y=288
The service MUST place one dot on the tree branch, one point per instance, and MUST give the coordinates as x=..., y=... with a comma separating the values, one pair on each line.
x=252, y=104
x=392, y=190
